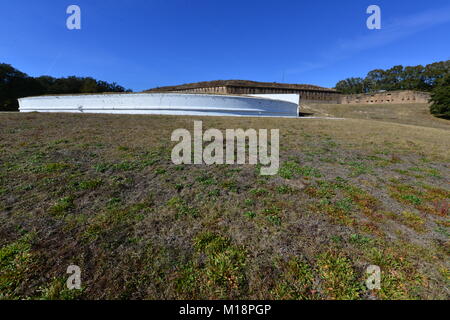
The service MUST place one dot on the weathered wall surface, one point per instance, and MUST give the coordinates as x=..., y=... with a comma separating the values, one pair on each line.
x=317, y=96
x=321, y=96
x=211, y=90
x=389, y=97
x=161, y=103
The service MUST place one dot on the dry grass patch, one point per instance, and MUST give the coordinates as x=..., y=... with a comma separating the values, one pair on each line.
x=100, y=191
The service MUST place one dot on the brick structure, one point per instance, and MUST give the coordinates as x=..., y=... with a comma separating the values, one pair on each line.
x=388, y=97
x=308, y=93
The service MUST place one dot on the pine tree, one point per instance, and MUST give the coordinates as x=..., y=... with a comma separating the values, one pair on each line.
x=440, y=98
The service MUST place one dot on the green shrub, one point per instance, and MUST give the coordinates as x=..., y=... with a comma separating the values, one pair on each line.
x=440, y=98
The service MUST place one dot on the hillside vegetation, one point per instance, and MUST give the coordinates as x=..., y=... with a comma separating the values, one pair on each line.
x=100, y=192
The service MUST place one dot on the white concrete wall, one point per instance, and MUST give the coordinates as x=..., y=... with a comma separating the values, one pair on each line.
x=161, y=103
x=288, y=97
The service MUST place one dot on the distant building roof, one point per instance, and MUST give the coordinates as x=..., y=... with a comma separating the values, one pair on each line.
x=241, y=83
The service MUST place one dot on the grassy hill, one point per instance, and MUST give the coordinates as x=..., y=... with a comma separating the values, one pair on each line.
x=414, y=114
x=100, y=192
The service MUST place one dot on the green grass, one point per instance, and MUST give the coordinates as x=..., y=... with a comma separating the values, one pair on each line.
x=358, y=168
x=399, y=278
x=250, y=214
x=284, y=190
x=52, y=167
x=57, y=290
x=340, y=280
x=221, y=275
x=115, y=219
x=343, y=209
x=360, y=240
x=181, y=208
x=290, y=170
x=15, y=261
x=296, y=281
x=88, y=184
x=413, y=220
x=62, y=206
x=424, y=198
x=259, y=192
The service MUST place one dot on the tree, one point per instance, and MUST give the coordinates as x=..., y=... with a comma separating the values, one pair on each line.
x=393, y=79
x=414, y=79
x=440, y=98
x=15, y=84
x=47, y=83
x=397, y=78
x=436, y=71
x=351, y=86
x=376, y=79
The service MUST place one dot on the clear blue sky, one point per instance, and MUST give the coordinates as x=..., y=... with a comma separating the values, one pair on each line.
x=146, y=43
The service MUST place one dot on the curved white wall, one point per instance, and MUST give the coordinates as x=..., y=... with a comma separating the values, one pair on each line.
x=161, y=103
x=289, y=97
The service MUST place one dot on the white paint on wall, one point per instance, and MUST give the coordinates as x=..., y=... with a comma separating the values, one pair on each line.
x=161, y=103
x=288, y=97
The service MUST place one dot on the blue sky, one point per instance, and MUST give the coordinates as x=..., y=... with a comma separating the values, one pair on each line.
x=141, y=44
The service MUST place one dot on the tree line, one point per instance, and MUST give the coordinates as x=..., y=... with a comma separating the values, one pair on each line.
x=15, y=84
x=420, y=78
